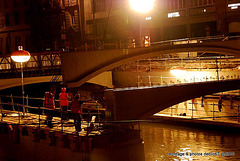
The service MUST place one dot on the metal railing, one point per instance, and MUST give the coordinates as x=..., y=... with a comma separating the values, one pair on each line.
x=150, y=80
x=46, y=63
x=13, y=104
x=215, y=113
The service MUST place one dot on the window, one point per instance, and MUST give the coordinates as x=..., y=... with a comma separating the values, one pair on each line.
x=8, y=44
x=99, y=5
x=1, y=47
x=2, y=19
x=16, y=18
x=15, y=3
x=197, y=3
x=5, y=3
x=175, y=4
x=25, y=2
x=7, y=20
x=26, y=17
x=17, y=42
x=28, y=43
x=100, y=29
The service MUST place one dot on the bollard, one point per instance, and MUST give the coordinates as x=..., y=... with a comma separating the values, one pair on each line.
x=24, y=131
x=42, y=134
x=65, y=141
x=86, y=144
x=53, y=139
x=5, y=129
x=36, y=135
x=76, y=143
x=16, y=131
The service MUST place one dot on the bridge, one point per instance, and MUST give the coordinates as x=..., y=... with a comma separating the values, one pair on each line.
x=42, y=67
x=76, y=68
x=79, y=67
x=141, y=103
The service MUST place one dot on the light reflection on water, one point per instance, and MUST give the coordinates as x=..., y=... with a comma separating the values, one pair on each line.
x=162, y=139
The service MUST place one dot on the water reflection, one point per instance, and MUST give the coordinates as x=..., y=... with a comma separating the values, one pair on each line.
x=172, y=142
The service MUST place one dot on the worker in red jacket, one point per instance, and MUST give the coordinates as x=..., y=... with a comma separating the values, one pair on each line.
x=49, y=104
x=76, y=111
x=63, y=98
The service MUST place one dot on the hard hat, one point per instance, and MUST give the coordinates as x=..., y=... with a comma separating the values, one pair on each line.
x=63, y=89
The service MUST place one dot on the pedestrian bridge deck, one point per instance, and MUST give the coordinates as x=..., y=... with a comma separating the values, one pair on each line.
x=204, y=120
x=141, y=103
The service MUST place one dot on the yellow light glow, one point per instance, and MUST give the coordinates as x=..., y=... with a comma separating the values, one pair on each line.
x=20, y=59
x=178, y=71
x=141, y=6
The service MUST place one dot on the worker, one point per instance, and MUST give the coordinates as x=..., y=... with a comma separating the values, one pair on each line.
x=76, y=111
x=63, y=98
x=49, y=103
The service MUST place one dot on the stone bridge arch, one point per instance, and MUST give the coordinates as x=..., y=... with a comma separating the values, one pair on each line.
x=132, y=104
x=79, y=67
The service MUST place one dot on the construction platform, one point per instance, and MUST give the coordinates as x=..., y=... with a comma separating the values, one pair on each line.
x=29, y=139
x=34, y=120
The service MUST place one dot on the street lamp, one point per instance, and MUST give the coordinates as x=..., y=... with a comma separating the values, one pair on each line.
x=141, y=6
x=21, y=56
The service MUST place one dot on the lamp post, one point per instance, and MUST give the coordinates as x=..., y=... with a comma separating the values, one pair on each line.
x=21, y=56
x=141, y=6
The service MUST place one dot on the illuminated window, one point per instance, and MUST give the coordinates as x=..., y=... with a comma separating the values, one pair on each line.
x=147, y=41
x=71, y=3
x=148, y=18
x=173, y=14
x=234, y=6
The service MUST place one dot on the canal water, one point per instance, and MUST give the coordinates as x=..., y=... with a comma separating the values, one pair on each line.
x=180, y=143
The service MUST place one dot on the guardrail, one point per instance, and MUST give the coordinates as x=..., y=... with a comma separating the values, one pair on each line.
x=14, y=103
x=46, y=63
x=215, y=113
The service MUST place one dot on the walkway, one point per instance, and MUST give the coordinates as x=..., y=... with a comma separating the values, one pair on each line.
x=205, y=120
x=34, y=120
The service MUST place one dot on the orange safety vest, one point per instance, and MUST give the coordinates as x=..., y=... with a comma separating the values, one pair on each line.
x=49, y=100
x=76, y=106
x=63, y=99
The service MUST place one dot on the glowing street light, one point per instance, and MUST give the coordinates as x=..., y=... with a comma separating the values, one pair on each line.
x=141, y=6
x=178, y=71
x=21, y=56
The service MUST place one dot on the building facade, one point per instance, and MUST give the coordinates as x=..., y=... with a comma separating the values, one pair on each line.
x=102, y=24
x=114, y=20
x=39, y=25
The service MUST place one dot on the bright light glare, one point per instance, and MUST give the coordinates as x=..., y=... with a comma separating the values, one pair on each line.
x=141, y=6
x=178, y=72
x=173, y=14
x=20, y=59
